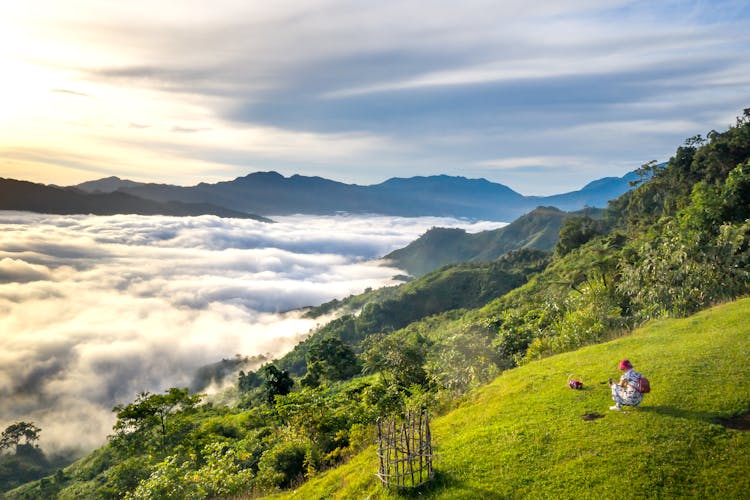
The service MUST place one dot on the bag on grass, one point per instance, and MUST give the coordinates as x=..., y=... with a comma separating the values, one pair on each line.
x=575, y=383
x=644, y=385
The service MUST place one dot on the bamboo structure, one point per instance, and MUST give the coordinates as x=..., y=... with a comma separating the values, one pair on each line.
x=405, y=450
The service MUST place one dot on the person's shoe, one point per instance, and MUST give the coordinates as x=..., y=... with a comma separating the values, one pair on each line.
x=610, y=382
x=615, y=408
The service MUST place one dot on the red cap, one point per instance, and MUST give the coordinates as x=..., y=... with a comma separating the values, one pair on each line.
x=625, y=365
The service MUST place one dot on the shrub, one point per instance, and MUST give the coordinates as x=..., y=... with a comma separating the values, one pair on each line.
x=282, y=465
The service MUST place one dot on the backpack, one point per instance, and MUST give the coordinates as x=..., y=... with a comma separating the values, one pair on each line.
x=644, y=385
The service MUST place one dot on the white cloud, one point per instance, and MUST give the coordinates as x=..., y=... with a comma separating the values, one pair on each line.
x=16, y=270
x=97, y=309
x=534, y=161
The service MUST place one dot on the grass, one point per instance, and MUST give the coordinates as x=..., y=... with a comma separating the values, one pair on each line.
x=523, y=436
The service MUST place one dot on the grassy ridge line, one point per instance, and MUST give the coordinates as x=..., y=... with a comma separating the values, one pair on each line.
x=522, y=436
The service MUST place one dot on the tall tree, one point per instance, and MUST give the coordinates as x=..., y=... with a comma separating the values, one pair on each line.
x=278, y=382
x=12, y=435
x=150, y=411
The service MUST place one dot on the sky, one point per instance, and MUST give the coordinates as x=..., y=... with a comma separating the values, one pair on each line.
x=94, y=310
x=541, y=96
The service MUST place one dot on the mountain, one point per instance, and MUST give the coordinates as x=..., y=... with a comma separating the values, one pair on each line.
x=593, y=194
x=106, y=185
x=539, y=229
x=265, y=192
x=451, y=196
x=440, y=195
x=32, y=197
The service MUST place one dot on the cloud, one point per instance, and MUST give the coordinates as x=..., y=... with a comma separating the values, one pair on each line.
x=531, y=161
x=360, y=91
x=19, y=271
x=94, y=310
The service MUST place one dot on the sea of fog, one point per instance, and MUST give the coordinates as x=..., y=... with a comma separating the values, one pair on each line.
x=94, y=310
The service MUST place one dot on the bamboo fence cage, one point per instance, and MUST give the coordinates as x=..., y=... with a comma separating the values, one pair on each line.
x=405, y=450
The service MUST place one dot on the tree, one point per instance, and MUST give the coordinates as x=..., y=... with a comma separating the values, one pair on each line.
x=575, y=232
x=330, y=359
x=399, y=359
x=12, y=435
x=736, y=196
x=249, y=381
x=150, y=411
x=278, y=382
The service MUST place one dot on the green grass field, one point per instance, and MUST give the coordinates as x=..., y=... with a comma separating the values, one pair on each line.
x=523, y=435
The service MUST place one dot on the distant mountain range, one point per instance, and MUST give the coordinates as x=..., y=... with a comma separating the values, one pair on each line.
x=270, y=193
x=32, y=197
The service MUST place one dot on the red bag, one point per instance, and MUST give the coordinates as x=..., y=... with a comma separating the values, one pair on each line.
x=575, y=384
x=644, y=385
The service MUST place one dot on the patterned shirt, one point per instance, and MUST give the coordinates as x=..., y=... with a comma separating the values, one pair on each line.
x=630, y=394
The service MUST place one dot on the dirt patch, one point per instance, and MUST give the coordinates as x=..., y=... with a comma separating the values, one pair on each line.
x=591, y=416
x=739, y=423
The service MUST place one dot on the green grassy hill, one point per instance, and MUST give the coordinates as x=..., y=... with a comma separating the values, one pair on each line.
x=523, y=435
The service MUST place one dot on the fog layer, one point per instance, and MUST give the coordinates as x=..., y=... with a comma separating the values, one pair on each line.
x=94, y=310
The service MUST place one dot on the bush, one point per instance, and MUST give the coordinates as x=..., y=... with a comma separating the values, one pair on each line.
x=677, y=274
x=586, y=316
x=282, y=465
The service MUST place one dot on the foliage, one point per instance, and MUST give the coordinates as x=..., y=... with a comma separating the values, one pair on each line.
x=142, y=422
x=249, y=381
x=282, y=465
x=398, y=358
x=462, y=361
x=21, y=460
x=278, y=383
x=438, y=247
x=586, y=316
x=220, y=476
x=331, y=360
x=466, y=285
x=674, y=276
x=576, y=231
x=12, y=435
x=494, y=444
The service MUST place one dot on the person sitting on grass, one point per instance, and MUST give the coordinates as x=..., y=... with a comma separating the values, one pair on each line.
x=625, y=392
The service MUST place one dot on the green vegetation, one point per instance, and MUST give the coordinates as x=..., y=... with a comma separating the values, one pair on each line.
x=523, y=435
x=463, y=286
x=676, y=244
x=438, y=247
x=21, y=460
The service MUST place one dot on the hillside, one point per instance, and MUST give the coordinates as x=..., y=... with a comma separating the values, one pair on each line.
x=437, y=195
x=539, y=229
x=32, y=197
x=453, y=288
x=523, y=436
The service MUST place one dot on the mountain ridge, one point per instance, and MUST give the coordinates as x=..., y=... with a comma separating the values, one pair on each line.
x=538, y=229
x=270, y=193
x=33, y=197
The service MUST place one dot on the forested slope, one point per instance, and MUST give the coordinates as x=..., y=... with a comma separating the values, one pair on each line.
x=538, y=230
